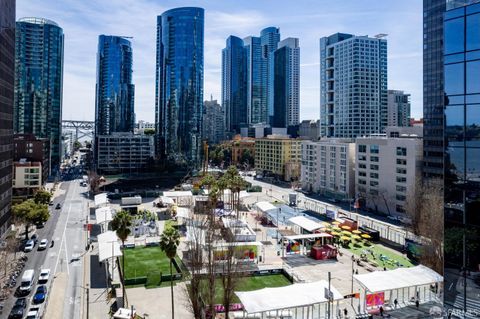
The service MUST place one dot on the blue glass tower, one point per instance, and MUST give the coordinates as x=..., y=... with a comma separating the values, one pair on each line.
x=179, y=85
x=256, y=76
x=269, y=38
x=234, y=81
x=39, y=82
x=114, y=100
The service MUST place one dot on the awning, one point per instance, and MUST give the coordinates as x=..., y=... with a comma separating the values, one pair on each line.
x=305, y=223
x=101, y=199
x=177, y=194
x=398, y=278
x=103, y=214
x=308, y=236
x=167, y=200
x=265, y=206
x=108, y=246
x=292, y=296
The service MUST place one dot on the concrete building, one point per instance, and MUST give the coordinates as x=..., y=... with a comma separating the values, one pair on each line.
x=278, y=156
x=123, y=153
x=398, y=108
x=387, y=171
x=240, y=146
x=7, y=84
x=33, y=149
x=27, y=177
x=353, y=92
x=213, y=122
x=141, y=126
x=328, y=167
x=309, y=129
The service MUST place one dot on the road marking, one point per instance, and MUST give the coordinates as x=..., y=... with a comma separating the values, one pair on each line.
x=63, y=238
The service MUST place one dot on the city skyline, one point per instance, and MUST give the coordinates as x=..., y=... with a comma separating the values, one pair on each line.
x=85, y=22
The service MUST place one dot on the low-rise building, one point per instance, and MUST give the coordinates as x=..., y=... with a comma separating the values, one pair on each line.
x=278, y=156
x=328, y=167
x=33, y=149
x=240, y=146
x=123, y=152
x=387, y=171
x=27, y=177
x=309, y=129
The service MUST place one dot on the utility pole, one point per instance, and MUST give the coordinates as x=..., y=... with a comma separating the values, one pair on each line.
x=329, y=281
x=353, y=271
x=88, y=300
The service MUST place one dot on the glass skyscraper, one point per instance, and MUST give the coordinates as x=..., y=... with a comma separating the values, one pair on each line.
x=257, y=111
x=234, y=85
x=353, y=85
x=269, y=38
x=7, y=80
x=39, y=82
x=462, y=158
x=179, y=85
x=114, y=100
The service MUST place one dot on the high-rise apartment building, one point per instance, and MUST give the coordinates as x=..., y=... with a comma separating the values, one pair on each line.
x=213, y=122
x=398, y=109
x=269, y=38
x=433, y=95
x=7, y=80
x=462, y=157
x=286, y=109
x=257, y=112
x=114, y=100
x=234, y=85
x=179, y=85
x=353, y=90
x=39, y=82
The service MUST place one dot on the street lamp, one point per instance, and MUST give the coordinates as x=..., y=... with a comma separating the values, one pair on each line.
x=353, y=271
x=87, y=291
x=278, y=221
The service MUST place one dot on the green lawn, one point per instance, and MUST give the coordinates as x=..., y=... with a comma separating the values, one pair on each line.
x=252, y=283
x=377, y=250
x=143, y=261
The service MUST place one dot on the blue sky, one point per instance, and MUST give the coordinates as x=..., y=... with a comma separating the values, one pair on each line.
x=83, y=20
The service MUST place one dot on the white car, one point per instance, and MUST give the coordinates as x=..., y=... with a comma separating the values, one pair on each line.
x=29, y=246
x=44, y=276
x=43, y=244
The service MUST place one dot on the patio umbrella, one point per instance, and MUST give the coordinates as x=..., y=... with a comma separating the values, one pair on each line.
x=346, y=232
x=334, y=233
x=336, y=223
x=346, y=227
x=345, y=238
x=336, y=228
x=356, y=231
x=366, y=236
x=356, y=237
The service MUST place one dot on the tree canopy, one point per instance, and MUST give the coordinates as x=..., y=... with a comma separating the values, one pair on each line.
x=42, y=197
x=29, y=212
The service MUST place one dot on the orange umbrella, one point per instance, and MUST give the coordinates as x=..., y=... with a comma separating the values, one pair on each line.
x=346, y=227
x=356, y=231
x=367, y=236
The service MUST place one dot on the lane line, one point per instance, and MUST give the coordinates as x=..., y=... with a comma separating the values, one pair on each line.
x=63, y=236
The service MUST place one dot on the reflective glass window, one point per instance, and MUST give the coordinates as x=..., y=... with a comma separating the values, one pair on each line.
x=473, y=77
x=454, y=79
x=455, y=160
x=458, y=99
x=454, y=36
x=473, y=161
x=473, y=32
x=454, y=116
x=473, y=123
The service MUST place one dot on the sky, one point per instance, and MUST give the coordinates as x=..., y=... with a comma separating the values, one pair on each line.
x=309, y=20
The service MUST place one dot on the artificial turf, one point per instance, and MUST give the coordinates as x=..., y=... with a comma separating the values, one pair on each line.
x=146, y=261
x=377, y=250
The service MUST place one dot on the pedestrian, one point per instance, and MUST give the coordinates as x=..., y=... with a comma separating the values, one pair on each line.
x=345, y=312
x=381, y=311
x=417, y=303
x=395, y=302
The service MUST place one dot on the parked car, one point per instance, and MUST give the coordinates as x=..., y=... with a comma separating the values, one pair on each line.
x=40, y=294
x=18, y=309
x=44, y=276
x=58, y=206
x=29, y=246
x=33, y=313
x=34, y=238
x=50, y=203
x=43, y=244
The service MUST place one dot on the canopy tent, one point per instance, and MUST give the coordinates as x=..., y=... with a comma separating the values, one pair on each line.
x=308, y=236
x=101, y=199
x=167, y=200
x=305, y=223
x=292, y=296
x=183, y=212
x=104, y=214
x=265, y=207
x=399, y=278
x=108, y=246
x=174, y=194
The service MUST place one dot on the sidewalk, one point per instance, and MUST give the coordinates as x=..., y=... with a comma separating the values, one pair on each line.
x=57, y=298
x=99, y=304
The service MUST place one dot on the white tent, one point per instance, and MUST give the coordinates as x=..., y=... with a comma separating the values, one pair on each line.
x=104, y=214
x=305, y=223
x=265, y=207
x=175, y=194
x=101, y=199
x=167, y=200
x=296, y=295
x=108, y=246
x=183, y=212
x=398, y=278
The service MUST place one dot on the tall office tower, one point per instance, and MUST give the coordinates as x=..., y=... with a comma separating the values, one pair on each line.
x=462, y=157
x=213, y=122
x=114, y=101
x=7, y=80
x=286, y=84
x=39, y=82
x=257, y=111
x=353, y=89
x=398, y=108
x=179, y=85
x=433, y=96
x=234, y=82
x=269, y=38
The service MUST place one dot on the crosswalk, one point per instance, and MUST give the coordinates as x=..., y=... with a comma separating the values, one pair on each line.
x=473, y=308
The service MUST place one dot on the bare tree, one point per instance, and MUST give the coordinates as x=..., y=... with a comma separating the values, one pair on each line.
x=425, y=209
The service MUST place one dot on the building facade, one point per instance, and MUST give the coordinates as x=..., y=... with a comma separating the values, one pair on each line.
x=257, y=112
x=213, y=122
x=309, y=129
x=39, y=82
x=433, y=95
x=353, y=89
x=328, y=167
x=33, y=149
x=241, y=146
x=124, y=153
x=278, y=156
x=114, y=99
x=7, y=82
x=234, y=85
x=179, y=85
x=398, y=108
x=462, y=153
x=286, y=97
x=269, y=38
x=27, y=177
x=387, y=172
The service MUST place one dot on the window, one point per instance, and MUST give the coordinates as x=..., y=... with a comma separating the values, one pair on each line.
x=401, y=170
x=374, y=149
x=364, y=166
x=454, y=36
x=400, y=209
x=373, y=183
x=401, y=161
x=401, y=151
x=401, y=188
x=473, y=77
x=401, y=179
x=362, y=182
x=374, y=158
x=362, y=158
x=362, y=174
x=374, y=167
x=454, y=79
x=374, y=175
x=362, y=148
x=400, y=197
x=373, y=192
x=473, y=32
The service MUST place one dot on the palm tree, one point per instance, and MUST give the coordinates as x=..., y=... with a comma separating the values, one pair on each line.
x=121, y=223
x=169, y=242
